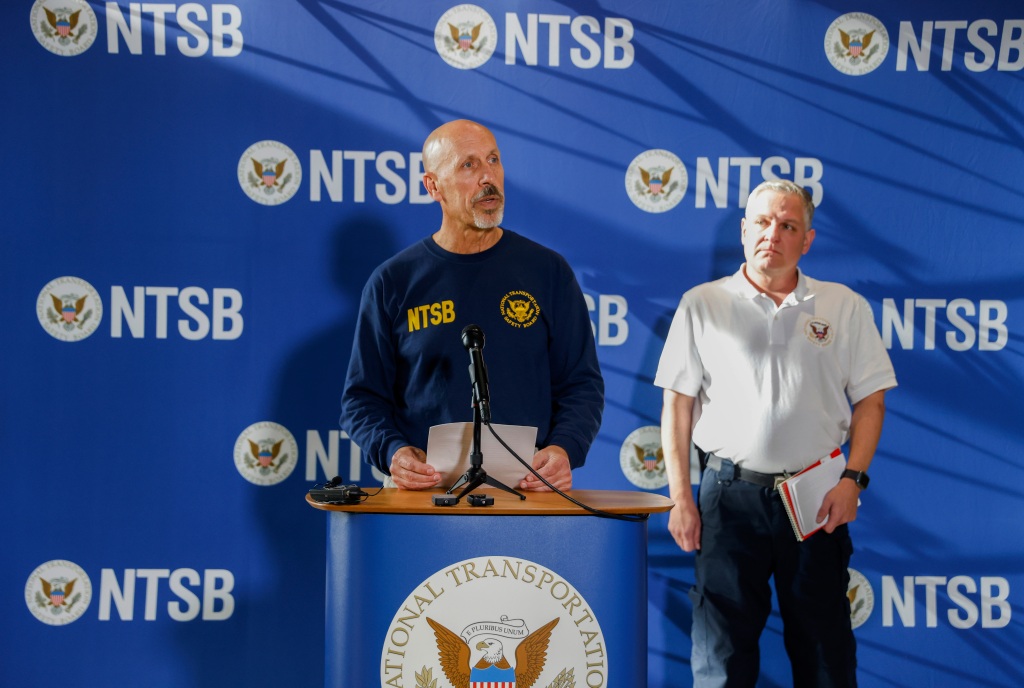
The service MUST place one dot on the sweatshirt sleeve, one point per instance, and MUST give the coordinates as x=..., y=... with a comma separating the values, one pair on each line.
x=577, y=387
x=367, y=407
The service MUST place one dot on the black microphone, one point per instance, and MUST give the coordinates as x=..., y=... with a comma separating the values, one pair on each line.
x=473, y=340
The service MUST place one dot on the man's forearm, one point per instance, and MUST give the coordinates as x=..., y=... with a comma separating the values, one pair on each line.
x=676, y=416
x=865, y=430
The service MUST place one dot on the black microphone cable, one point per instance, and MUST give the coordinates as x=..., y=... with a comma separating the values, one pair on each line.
x=473, y=340
x=597, y=512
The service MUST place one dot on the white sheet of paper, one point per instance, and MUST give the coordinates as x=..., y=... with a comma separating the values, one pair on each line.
x=449, y=445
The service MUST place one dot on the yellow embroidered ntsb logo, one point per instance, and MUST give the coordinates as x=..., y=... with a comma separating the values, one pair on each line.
x=431, y=314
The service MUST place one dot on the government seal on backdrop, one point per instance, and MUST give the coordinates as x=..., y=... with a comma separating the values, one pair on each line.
x=266, y=453
x=656, y=181
x=269, y=172
x=58, y=592
x=856, y=43
x=64, y=27
x=465, y=36
x=642, y=459
x=494, y=621
x=69, y=309
x=862, y=598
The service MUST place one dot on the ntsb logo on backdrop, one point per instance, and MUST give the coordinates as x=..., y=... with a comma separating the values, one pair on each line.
x=266, y=453
x=642, y=458
x=861, y=596
x=269, y=172
x=856, y=43
x=69, y=27
x=657, y=180
x=58, y=592
x=69, y=309
x=64, y=27
x=466, y=36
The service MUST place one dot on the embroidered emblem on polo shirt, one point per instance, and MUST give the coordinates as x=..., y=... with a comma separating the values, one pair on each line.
x=819, y=331
x=519, y=309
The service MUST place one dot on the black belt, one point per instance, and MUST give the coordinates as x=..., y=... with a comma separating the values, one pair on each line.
x=771, y=480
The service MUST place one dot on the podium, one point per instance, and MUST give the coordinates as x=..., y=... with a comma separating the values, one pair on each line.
x=541, y=591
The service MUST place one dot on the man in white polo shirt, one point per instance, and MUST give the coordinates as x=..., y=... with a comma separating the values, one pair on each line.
x=767, y=371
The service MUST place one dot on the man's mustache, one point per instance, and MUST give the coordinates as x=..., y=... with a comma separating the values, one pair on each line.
x=489, y=190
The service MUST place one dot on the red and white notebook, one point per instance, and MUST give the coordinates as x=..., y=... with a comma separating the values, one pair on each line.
x=803, y=493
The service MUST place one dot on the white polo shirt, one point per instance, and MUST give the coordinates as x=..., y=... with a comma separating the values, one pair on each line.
x=774, y=385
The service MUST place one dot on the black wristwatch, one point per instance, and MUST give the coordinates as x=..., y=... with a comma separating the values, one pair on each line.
x=859, y=477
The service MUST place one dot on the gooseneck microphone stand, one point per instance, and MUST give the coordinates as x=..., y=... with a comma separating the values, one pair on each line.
x=473, y=340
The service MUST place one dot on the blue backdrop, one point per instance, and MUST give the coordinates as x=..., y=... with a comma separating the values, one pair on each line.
x=196, y=193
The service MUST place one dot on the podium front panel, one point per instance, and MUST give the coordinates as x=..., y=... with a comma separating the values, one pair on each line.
x=387, y=573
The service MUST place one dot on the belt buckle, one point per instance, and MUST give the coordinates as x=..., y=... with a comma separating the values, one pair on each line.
x=779, y=479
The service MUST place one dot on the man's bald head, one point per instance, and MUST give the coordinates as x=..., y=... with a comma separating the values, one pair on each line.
x=441, y=144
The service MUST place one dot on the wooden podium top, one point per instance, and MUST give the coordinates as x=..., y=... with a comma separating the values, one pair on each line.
x=391, y=500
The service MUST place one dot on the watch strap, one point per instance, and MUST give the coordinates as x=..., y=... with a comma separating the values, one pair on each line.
x=859, y=477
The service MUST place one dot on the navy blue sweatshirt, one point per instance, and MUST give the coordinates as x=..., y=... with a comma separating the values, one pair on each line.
x=409, y=369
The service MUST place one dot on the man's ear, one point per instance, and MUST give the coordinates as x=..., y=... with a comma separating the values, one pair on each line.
x=808, y=240
x=430, y=184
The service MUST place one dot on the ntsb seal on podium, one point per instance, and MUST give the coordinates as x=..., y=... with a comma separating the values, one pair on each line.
x=494, y=621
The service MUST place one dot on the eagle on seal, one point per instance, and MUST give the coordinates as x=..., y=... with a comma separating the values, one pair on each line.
x=454, y=653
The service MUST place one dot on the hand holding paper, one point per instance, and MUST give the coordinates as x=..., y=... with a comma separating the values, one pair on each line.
x=448, y=448
x=840, y=505
x=803, y=494
x=552, y=463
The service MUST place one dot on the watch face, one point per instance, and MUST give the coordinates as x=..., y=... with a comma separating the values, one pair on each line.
x=858, y=477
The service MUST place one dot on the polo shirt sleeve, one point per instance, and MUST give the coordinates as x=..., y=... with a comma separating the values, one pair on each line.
x=680, y=368
x=870, y=369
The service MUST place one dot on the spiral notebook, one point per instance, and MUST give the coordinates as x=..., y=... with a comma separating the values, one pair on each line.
x=803, y=493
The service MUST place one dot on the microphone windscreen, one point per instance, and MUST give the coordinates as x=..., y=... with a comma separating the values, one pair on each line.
x=473, y=337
